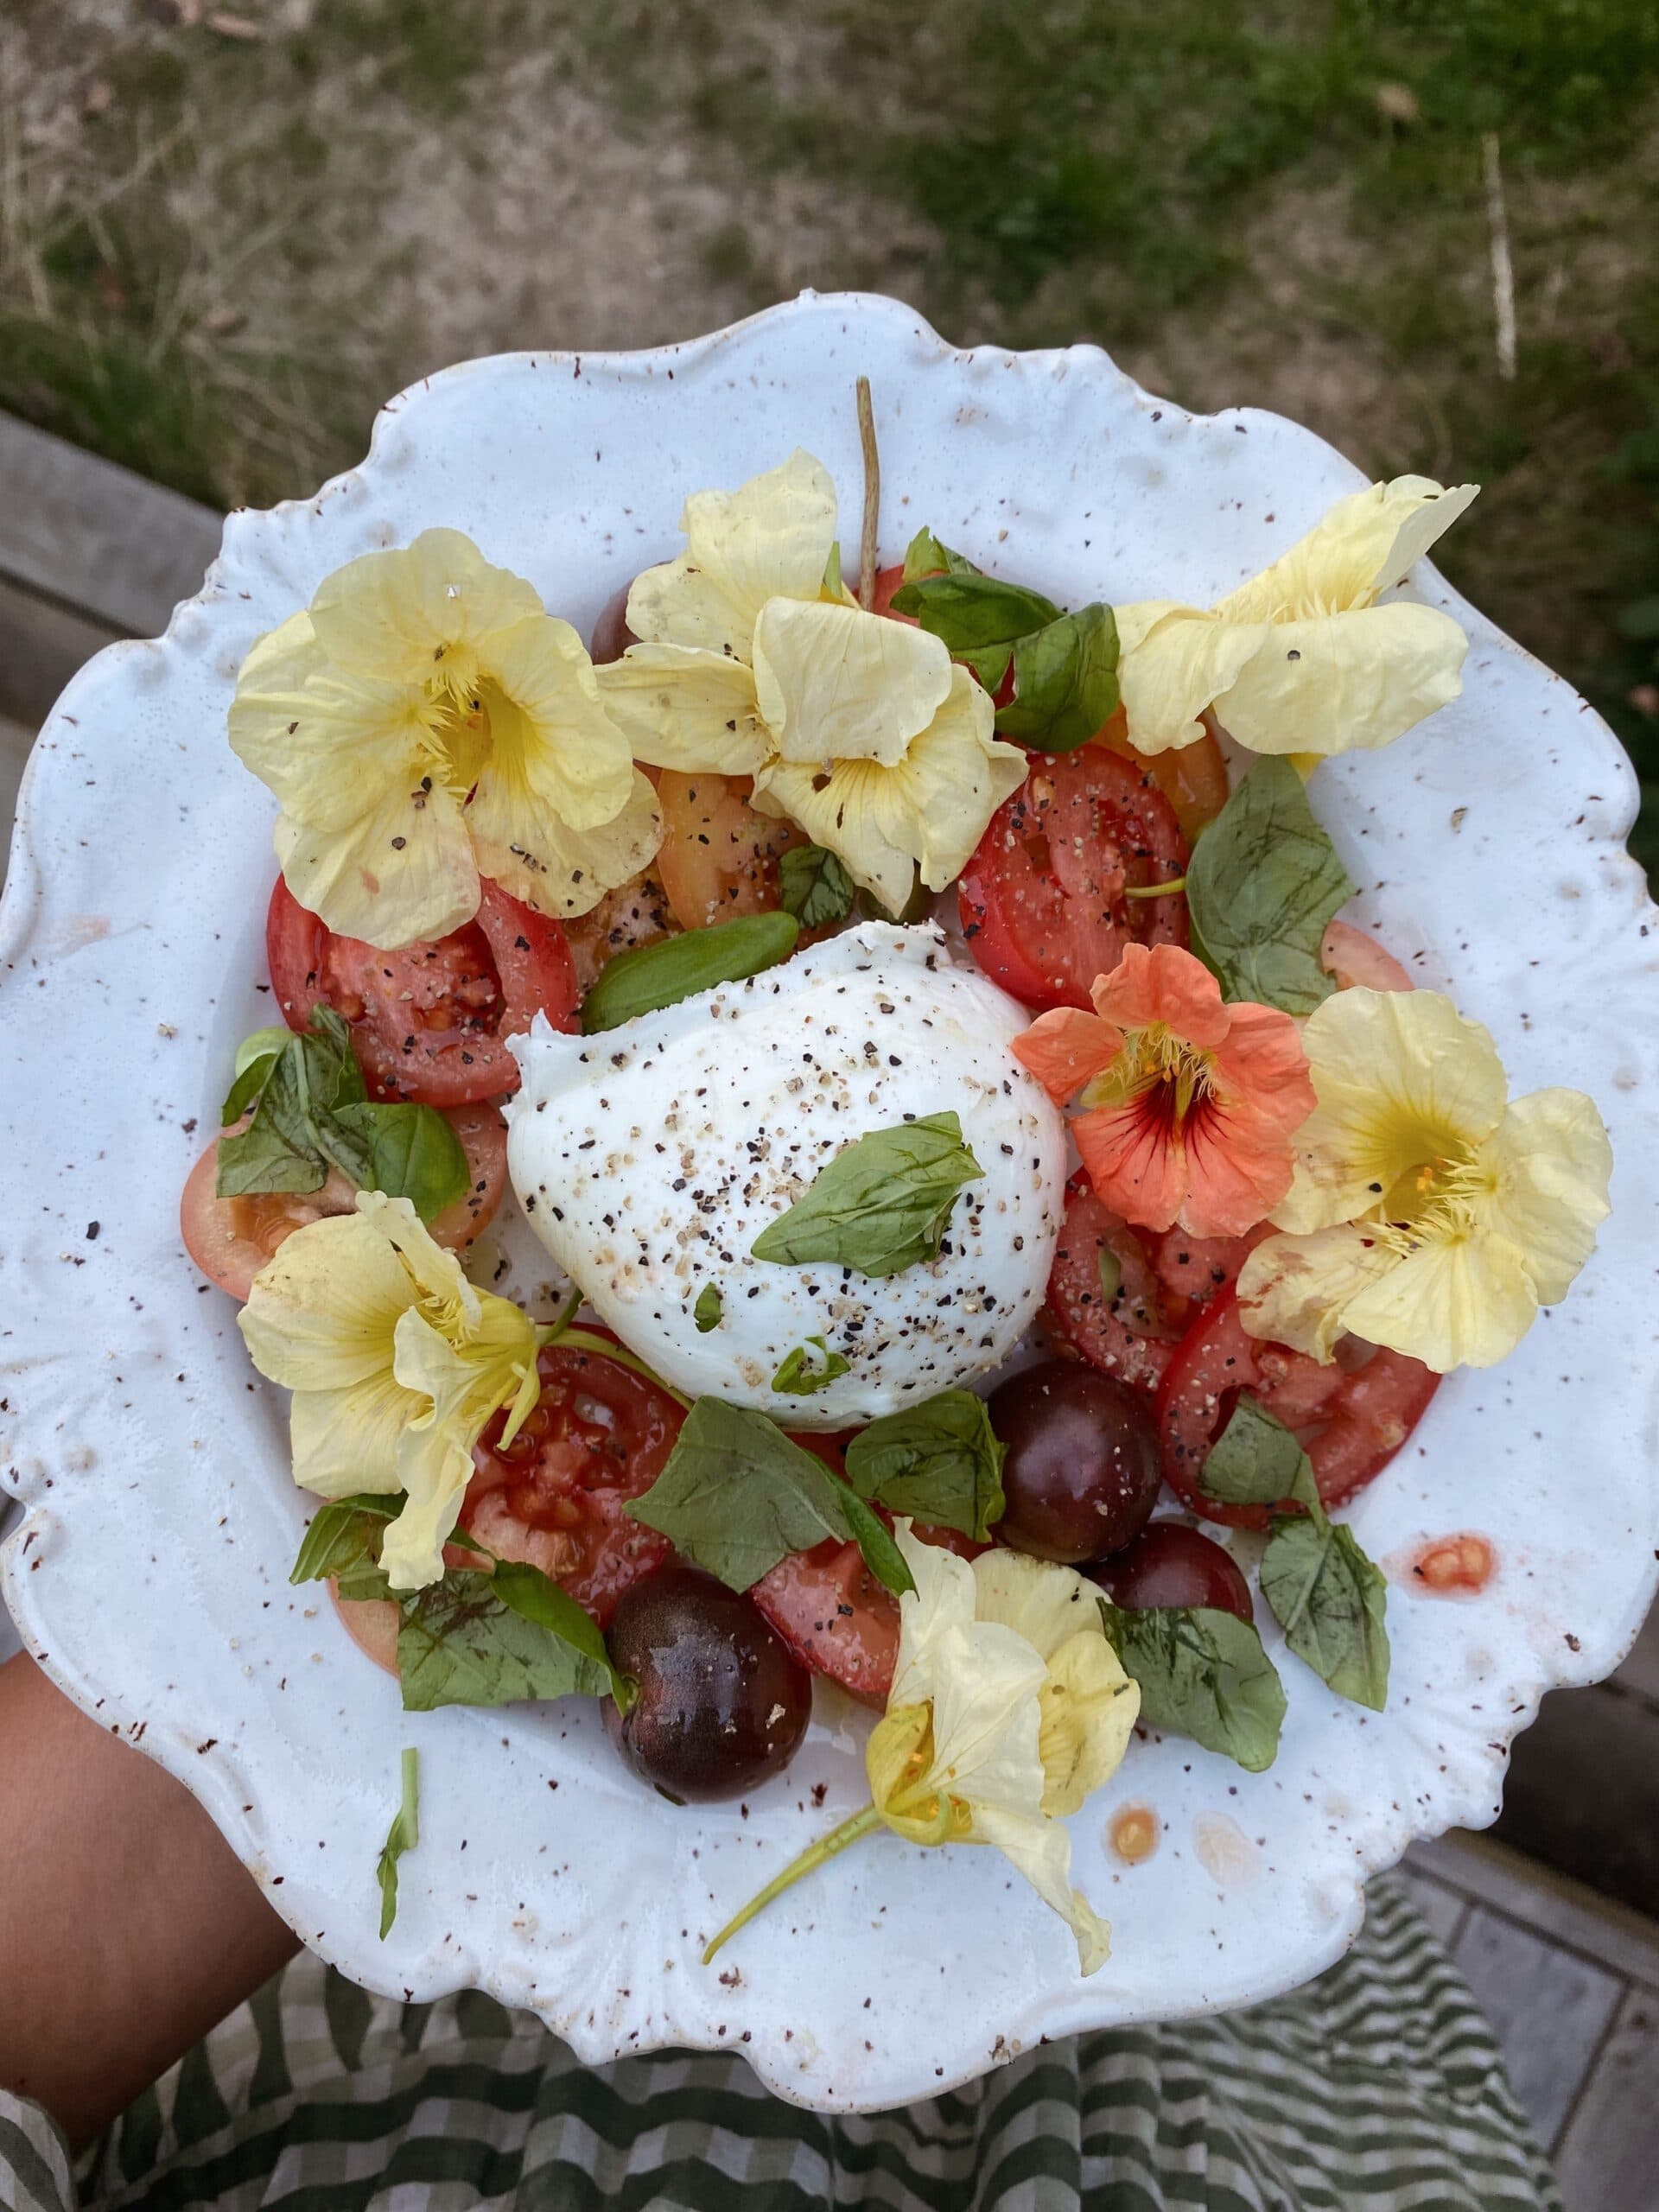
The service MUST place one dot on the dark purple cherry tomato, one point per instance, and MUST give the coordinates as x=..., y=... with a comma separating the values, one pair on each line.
x=1169, y=1564
x=611, y=636
x=1082, y=1475
x=722, y=1703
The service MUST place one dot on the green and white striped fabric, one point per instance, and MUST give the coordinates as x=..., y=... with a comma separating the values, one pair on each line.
x=1377, y=2088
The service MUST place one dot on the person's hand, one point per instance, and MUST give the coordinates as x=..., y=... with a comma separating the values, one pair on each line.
x=128, y=1928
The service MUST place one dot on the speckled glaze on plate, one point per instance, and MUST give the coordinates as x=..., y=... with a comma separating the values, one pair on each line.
x=149, y=1572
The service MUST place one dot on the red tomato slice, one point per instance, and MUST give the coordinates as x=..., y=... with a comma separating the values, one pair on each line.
x=1197, y=1266
x=598, y=1436
x=1193, y=778
x=1134, y=1334
x=834, y=1617
x=1042, y=901
x=1350, y=1420
x=231, y=1239
x=430, y=1021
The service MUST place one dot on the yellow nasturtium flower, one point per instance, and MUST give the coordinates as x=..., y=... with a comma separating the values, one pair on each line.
x=1428, y=1212
x=1008, y=1708
x=395, y=1363
x=754, y=660
x=1301, y=660
x=426, y=722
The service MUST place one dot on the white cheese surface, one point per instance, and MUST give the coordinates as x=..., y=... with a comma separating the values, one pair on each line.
x=649, y=1157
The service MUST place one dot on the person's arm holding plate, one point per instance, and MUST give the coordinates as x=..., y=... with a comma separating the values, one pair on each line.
x=127, y=1928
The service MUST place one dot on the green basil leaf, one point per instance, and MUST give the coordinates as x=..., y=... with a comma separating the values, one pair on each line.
x=1065, y=682
x=880, y=1205
x=939, y=1461
x=970, y=611
x=811, y=1367
x=736, y=1495
x=1331, y=1602
x=1203, y=1673
x=343, y=1533
x=262, y=1158
x=815, y=887
x=925, y=556
x=1256, y=1461
x=1263, y=881
x=525, y=1590
x=873, y=1538
x=460, y=1644
x=833, y=586
x=364, y=1581
x=708, y=1308
x=409, y=1152
x=256, y=1056
x=302, y=1086
x=675, y=968
x=403, y=1836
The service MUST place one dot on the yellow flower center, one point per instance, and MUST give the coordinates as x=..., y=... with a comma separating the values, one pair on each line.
x=455, y=713
x=1435, y=1200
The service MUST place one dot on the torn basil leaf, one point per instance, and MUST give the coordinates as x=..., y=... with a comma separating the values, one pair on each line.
x=462, y=1641
x=816, y=888
x=880, y=1205
x=708, y=1308
x=1331, y=1601
x=675, y=968
x=1263, y=881
x=811, y=1367
x=1065, y=682
x=344, y=1534
x=403, y=1836
x=255, y=1057
x=407, y=1151
x=940, y=1461
x=1256, y=1461
x=972, y=614
x=737, y=1495
x=926, y=556
x=1203, y=1673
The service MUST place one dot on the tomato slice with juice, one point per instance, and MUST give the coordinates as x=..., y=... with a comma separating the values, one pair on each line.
x=1351, y=1416
x=429, y=1021
x=1130, y=1334
x=1042, y=898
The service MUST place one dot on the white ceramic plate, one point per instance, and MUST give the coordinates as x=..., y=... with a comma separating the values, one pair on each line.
x=149, y=1574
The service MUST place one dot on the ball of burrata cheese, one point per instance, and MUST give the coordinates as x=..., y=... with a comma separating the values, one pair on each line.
x=649, y=1157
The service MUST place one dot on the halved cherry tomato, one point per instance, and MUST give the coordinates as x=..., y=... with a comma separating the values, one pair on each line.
x=231, y=1239
x=834, y=1617
x=1351, y=1419
x=430, y=1021
x=1041, y=900
x=719, y=857
x=637, y=913
x=598, y=1436
x=1193, y=778
x=1131, y=1335
x=1354, y=957
x=888, y=580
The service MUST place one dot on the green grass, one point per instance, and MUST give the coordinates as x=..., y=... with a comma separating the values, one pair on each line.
x=1283, y=206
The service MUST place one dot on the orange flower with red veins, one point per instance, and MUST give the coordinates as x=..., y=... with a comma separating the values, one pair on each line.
x=1190, y=1105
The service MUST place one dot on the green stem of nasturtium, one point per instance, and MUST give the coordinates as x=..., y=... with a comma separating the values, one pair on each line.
x=589, y=1340
x=1155, y=890
x=815, y=1855
x=555, y=1328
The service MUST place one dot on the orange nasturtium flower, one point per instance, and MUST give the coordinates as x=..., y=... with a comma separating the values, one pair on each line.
x=1189, y=1105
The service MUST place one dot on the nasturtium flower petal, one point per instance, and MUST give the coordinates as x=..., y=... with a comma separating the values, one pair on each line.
x=1401, y=1078
x=771, y=538
x=405, y=870
x=1461, y=1302
x=1357, y=548
x=1428, y=1214
x=426, y=721
x=682, y=707
x=1296, y=1290
x=1044, y=1602
x=1041, y=1849
x=1088, y=1708
x=1300, y=659
x=396, y=1362
x=394, y=615
x=834, y=683
x=1550, y=1165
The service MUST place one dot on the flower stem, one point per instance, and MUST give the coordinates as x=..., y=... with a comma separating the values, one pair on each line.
x=1155, y=890
x=561, y=1321
x=589, y=1340
x=815, y=1855
x=867, y=542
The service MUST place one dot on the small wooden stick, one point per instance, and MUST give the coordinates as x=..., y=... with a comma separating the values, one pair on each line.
x=1502, y=268
x=867, y=537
